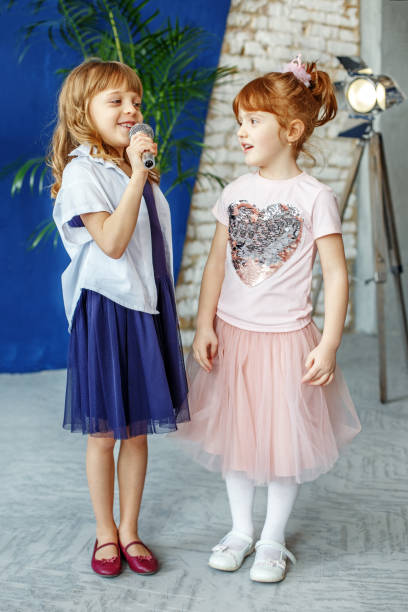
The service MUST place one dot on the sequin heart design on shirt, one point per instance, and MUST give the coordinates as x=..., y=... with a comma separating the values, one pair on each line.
x=262, y=240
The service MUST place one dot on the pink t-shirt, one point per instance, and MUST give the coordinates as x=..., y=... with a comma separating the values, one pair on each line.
x=272, y=226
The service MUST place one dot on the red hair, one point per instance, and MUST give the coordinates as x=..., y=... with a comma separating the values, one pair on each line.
x=282, y=94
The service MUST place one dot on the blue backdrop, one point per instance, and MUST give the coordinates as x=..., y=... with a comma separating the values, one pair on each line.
x=33, y=325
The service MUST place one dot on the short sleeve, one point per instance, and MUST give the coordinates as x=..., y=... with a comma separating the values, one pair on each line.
x=220, y=212
x=325, y=215
x=80, y=193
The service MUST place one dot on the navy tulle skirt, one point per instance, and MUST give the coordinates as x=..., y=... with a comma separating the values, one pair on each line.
x=125, y=374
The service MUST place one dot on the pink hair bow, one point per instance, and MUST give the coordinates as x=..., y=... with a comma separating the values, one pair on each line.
x=298, y=70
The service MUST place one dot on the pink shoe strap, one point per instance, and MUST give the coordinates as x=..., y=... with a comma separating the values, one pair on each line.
x=138, y=542
x=107, y=544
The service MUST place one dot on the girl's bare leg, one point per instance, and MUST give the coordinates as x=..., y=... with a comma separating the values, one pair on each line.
x=100, y=469
x=132, y=464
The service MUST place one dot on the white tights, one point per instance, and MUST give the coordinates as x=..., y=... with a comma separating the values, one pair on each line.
x=281, y=498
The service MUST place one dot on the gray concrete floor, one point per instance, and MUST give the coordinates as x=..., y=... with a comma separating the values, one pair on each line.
x=348, y=529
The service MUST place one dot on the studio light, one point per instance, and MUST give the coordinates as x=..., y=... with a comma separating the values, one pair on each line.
x=364, y=93
x=361, y=94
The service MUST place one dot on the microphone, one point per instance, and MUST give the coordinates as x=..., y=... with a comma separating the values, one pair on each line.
x=147, y=157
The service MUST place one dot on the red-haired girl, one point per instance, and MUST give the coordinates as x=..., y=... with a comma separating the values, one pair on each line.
x=268, y=405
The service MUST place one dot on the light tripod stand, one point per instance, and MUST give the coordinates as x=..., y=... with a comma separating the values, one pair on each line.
x=384, y=235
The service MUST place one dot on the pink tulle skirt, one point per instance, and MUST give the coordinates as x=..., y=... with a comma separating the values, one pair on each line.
x=252, y=414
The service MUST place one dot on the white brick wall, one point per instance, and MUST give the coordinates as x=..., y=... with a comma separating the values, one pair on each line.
x=261, y=35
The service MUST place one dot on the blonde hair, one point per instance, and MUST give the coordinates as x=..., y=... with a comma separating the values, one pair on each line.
x=284, y=95
x=74, y=126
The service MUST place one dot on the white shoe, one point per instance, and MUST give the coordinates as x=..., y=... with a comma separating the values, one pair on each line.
x=229, y=559
x=271, y=570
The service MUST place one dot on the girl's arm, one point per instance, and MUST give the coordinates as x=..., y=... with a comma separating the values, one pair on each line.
x=112, y=232
x=205, y=342
x=321, y=361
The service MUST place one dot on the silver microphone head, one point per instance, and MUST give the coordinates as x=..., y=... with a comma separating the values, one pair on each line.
x=141, y=127
x=147, y=157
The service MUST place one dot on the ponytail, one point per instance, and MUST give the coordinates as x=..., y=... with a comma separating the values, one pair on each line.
x=322, y=90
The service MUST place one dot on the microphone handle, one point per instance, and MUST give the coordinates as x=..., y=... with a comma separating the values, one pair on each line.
x=148, y=160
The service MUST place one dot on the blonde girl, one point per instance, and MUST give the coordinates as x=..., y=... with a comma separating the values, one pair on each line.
x=125, y=375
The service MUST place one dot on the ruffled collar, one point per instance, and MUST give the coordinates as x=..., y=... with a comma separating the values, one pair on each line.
x=84, y=150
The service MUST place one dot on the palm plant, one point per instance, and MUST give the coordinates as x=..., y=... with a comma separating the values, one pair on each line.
x=175, y=91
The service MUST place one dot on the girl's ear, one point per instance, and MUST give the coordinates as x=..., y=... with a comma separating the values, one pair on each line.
x=295, y=130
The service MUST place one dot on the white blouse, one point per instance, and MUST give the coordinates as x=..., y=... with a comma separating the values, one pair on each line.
x=93, y=185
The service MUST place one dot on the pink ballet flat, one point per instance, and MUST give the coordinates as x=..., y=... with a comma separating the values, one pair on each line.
x=108, y=568
x=141, y=564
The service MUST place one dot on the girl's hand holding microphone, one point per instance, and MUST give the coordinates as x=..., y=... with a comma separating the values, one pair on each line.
x=140, y=143
x=205, y=347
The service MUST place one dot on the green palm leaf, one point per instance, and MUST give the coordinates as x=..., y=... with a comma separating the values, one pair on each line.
x=31, y=165
x=43, y=232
